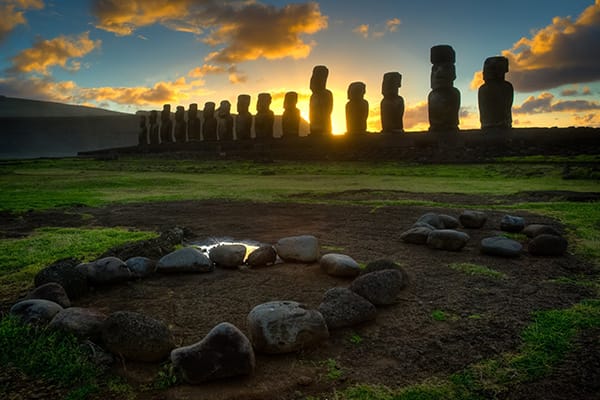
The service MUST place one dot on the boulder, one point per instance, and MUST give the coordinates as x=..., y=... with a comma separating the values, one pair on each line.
x=228, y=255
x=285, y=326
x=137, y=337
x=547, y=245
x=534, y=230
x=472, y=219
x=416, y=235
x=342, y=307
x=449, y=221
x=264, y=255
x=500, y=246
x=36, y=311
x=423, y=225
x=339, y=265
x=380, y=287
x=51, y=291
x=65, y=274
x=141, y=267
x=383, y=264
x=432, y=219
x=81, y=322
x=304, y=249
x=447, y=239
x=188, y=259
x=511, y=223
x=223, y=353
x=106, y=270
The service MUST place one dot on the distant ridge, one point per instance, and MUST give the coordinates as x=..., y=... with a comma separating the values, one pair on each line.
x=11, y=107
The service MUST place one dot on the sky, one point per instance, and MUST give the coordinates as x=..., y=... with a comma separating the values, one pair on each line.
x=140, y=54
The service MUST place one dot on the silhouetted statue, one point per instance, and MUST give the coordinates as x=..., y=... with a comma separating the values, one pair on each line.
x=154, y=130
x=392, y=105
x=243, y=120
x=209, y=123
x=357, y=109
x=180, y=125
x=495, y=95
x=143, y=133
x=290, y=120
x=444, y=99
x=166, y=125
x=225, y=121
x=193, y=123
x=265, y=118
x=321, y=102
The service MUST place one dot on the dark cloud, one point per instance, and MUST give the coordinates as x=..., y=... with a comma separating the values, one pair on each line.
x=547, y=103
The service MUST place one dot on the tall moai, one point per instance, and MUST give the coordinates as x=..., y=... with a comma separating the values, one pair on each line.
x=154, y=132
x=224, y=121
x=357, y=109
x=495, y=95
x=264, y=118
x=290, y=120
x=392, y=104
x=209, y=122
x=143, y=132
x=444, y=98
x=180, y=125
x=243, y=119
x=166, y=125
x=321, y=102
x=193, y=123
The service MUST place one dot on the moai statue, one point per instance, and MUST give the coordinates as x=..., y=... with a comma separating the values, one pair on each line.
x=166, y=125
x=392, y=105
x=444, y=98
x=193, y=123
x=209, y=124
x=321, y=102
x=143, y=132
x=290, y=120
x=265, y=118
x=357, y=109
x=225, y=121
x=180, y=125
x=154, y=131
x=495, y=95
x=243, y=120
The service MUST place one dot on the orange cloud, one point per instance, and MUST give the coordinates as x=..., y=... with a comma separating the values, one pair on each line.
x=392, y=24
x=417, y=117
x=58, y=51
x=362, y=30
x=12, y=14
x=206, y=69
x=547, y=103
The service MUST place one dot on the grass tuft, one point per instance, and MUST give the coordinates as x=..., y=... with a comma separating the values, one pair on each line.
x=477, y=270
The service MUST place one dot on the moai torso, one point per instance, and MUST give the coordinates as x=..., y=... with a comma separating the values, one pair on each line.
x=495, y=95
x=180, y=125
x=224, y=121
x=209, y=123
x=264, y=118
x=143, y=132
x=392, y=105
x=243, y=120
x=154, y=130
x=321, y=102
x=357, y=109
x=290, y=120
x=444, y=98
x=166, y=125
x=193, y=123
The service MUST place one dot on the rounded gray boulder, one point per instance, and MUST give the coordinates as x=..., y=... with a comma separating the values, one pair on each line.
x=472, y=219
x=264, y=255
x=228, y=255
x=65, y=274
x=547, y=245
x=533, y=230
x=106, y=270
x=447, y=239
x=432, y=219
x=339, y=265
x=141, y=267
x=81, y=322
x=511, y=223
x=417, y=235
x=380, y=287
x=304, y=249
x=188, y=259
x=51, y=291
x=36, y=311
x=342, y=307
x=500, y=246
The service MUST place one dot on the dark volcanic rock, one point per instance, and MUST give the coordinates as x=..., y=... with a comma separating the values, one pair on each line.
x=380, y=287
x=342, y=307
x=447, y=239
x=547, y=245
x=472, y=219
x=64, y=273
x=501, y=247
x=511, y=223
x=51, y=291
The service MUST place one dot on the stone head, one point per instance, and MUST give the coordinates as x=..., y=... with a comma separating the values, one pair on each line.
x=442, y=75
x=442, y=54
x=209, y=108
x=180, y=109
x=224, y=107
x=391, y=83
x=318, y=80
x=193, y=108
x=166, y=108
x=356, y=90
x=263, y=103
x=243, y=102
x=290, y=100
x=494, y=68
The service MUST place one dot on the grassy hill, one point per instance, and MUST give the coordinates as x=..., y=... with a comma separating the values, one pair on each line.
x=11, y=107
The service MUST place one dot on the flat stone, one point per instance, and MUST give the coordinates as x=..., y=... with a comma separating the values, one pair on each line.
x=416, y=235
x=51, y=291
x=432, y=219
x=420, y=224
x=449, y=221
x=188, y=259
x=65, y=274
x=547, y=245
x=339, y=265
x=263, y=256
x=285, y=326
x=511, y=223
x=534, y=230
x=228, y=255
x=447, y=239
x=380, y=287
x=106, y=270
x=501, y=247
x=36, y=311
x=81, y=322
x=137, y=337
x=342, y=307
x=141, y=267
x=304, y=249
x=225, y=352
x=472, y=219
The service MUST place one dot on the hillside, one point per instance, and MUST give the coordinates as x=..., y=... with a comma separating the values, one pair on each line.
x=11, y=107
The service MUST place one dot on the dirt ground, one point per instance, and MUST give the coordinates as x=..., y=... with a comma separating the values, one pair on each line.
x=404, y=345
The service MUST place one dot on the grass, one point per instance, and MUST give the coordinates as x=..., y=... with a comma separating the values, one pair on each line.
x=333, y=370
x=477, y=270
x=439, y=315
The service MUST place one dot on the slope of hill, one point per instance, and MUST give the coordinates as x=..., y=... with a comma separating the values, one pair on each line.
x=11, y=107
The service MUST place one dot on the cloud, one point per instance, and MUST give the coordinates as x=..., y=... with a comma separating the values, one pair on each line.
x=362, y=30
x=12, y=14
x=161, y=92
x=547, y=103
x=207, y=69
x=392, y=24
x=39, y=88
x=563, y=52
x=45, y=54
x=569, y=92
x=588, y=120
x=417, y=116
